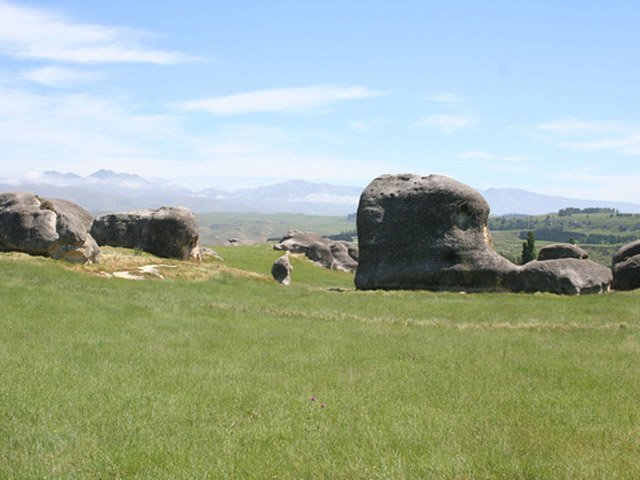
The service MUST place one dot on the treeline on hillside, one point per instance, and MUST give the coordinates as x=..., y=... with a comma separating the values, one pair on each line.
x=567, y=212
x=346, y=236
x=565, y=236
x=612, y=222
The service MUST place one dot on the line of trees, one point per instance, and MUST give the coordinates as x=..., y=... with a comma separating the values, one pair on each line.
x=567, y=212
x=557, y=235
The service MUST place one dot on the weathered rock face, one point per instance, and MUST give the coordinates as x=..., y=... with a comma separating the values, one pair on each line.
x=53, y=227
x=562, y=250
x=281, y=270
x=336, y=255
x=626, y=267
x=345, y=255
x=170, y=232
x=628, y=251
x=297, y=241
x=321, y=253
x=431, y=233
x=428, y=233
x=564, y=276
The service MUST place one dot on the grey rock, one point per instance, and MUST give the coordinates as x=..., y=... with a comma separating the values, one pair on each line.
x=626, y=274
x=321, y=253
x=297, y=241
x=281, y=270
x=53, y=227
x=427, y=233
x=345, y=255
x=332, y=254
x=564, y=276
x=626, y=267
x=170, y=232
x=630, y=250
x=431, y=233
x=562, y=250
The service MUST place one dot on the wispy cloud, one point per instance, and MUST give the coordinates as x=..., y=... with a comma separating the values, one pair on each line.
x=490, y=156
x=449, y=123
x=620, y=137
x=446, y=98
x=280, y=100
x=81, y=133
x=59, y=76
x=34, y=33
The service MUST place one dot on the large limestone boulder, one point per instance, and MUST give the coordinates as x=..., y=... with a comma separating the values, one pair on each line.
x=564, y=276
x=430, y=233
x=562, y=250
x=53, y=227
x=626, y=267
x=281, y=270
x=331, y=254
x=170, y=232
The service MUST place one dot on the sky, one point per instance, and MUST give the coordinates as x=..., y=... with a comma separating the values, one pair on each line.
x=537, y=95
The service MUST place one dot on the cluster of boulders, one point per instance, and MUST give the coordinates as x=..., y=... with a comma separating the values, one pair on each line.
x=431, y=233
x=414, y=232
x=51, y=227
x=331, y=254
x=63, y=230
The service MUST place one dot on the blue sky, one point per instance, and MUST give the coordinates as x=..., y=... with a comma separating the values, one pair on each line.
x=537, y=95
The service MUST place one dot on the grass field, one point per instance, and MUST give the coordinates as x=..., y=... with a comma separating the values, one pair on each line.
x=211, y=373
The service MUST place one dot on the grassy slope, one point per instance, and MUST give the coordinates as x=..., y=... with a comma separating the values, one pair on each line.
x=109, y=378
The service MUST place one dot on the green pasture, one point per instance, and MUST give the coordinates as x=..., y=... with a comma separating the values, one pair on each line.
x=214, y=376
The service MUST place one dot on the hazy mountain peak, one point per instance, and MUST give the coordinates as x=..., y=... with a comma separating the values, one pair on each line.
x=105, y=174
x=106, y=190
x=57, y=174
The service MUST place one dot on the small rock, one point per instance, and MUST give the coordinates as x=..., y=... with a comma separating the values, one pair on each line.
x=281, y=270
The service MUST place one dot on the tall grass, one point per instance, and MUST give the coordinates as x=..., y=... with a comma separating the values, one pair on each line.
x=164, y=379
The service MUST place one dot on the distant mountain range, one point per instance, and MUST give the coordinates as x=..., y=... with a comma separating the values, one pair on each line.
x=108, y=191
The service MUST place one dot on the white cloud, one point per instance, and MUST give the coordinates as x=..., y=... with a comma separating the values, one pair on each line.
x=82, y=133
x=58, y=76
x=41, y=34
x=446, y=98
x=76, y=132
x=620, y=137
x=449, y=123
x=490, y=156
x=279, y=99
